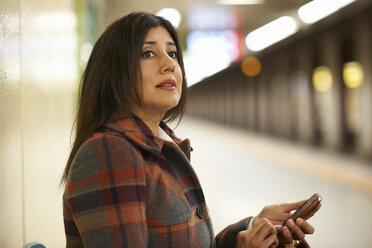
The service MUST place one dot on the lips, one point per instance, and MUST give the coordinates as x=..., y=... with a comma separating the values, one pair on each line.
x=168, y=84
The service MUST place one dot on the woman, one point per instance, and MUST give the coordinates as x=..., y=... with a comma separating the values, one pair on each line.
x=128, y=179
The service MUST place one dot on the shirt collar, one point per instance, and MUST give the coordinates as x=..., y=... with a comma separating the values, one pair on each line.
x=163, y=135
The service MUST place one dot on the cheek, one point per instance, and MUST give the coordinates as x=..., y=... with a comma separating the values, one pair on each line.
x=146, y=80
x=144, y=74
x=179, y=78
x=179, y=86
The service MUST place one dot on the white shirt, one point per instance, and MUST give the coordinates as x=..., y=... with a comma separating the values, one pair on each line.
x=164, y=135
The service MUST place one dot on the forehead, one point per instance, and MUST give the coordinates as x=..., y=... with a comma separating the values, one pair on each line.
x=159, y=34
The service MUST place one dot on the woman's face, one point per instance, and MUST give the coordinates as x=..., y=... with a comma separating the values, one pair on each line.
x=161, y=85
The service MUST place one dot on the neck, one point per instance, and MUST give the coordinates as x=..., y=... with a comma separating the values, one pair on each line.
x=152, y=120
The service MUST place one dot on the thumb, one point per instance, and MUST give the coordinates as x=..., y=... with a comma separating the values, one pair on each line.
x=288, y=207
x=278, y=227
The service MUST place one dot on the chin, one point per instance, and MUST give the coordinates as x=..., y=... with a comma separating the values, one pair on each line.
x=172, y=106
x=173, y=102
x=164, y=106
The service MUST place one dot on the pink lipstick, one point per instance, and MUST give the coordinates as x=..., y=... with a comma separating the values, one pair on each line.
x=168, y=84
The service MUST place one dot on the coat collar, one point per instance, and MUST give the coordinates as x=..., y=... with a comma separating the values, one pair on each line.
x=136, y=130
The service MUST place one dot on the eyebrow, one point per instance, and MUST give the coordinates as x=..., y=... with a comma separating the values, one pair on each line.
x=169, y=43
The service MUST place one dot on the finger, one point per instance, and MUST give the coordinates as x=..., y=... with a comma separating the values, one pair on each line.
x=269, y=229
x=288, y=207
x=276, y=241
x=279, y=215
x=280, y=220
x=271, y=241
x=286, y=236
x=258, y=226
x=305, y=226
x=279, y=230
x=266, y=231
x=240, y=237
x=296, y=230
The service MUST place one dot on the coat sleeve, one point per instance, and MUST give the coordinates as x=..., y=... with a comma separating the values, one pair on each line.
x=227, y=237
x=105, y=196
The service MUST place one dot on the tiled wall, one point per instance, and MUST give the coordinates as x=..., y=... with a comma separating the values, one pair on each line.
x=38, y=74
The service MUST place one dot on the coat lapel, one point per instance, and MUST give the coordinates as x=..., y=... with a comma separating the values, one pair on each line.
x=136, y=130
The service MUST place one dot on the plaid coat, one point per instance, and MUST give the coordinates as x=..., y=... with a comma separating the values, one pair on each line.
x=127, y=188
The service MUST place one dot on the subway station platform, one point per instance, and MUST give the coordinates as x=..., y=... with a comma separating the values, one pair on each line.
x=241, y=172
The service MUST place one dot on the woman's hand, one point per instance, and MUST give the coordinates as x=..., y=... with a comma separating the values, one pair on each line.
x=262, y=235
x=278, y=213
x=295, y=231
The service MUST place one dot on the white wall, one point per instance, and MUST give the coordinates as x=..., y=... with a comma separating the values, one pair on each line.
x=37, y=82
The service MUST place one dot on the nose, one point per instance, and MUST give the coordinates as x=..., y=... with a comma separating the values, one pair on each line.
x=167, y=64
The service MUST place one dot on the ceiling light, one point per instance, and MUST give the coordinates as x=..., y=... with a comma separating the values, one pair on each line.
x=271, y=33
x=319, y=9
x=239, y=2
x=171, y=15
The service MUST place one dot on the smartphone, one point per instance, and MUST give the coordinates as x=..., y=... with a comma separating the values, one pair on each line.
x=305, y=209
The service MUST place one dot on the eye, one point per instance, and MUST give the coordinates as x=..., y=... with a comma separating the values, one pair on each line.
x=173, y=54
x=147, y=54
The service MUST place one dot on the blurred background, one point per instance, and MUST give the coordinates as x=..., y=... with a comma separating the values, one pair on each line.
x=280, y=107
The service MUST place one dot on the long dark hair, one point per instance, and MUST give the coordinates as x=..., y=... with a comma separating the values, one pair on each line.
x=110, y=81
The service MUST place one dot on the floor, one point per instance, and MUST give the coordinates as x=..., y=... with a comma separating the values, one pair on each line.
x=241, y=172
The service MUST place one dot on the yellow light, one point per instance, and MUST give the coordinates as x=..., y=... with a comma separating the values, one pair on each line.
x=353, y=74
x=251, y=66
x=322, y=79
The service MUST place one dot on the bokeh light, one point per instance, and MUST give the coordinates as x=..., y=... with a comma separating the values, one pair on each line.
x=353, y=74
x=212, y=18
x=171, y=15
x=298, y=84
x=322, y=79
x=271, y=33
x=209, y=52
x=251, y=66
x=319, y=9
x=85, y=52
x=240, y=2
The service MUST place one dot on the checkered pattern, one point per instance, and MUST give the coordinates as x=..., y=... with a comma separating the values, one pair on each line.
x=127, y=188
